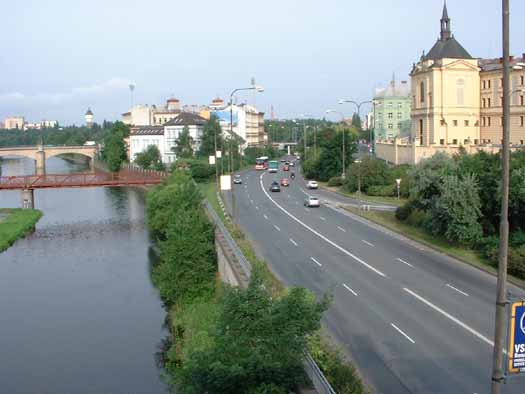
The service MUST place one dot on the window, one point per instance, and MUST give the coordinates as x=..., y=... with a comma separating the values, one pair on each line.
x=399, y=125
x=454, y=141
x=442, y=122
x=400, y=105
x=390, y=126
x=488, y=121
x=421, y=131
x=390, y=105
x=483, y=122
x=390, y=115
x=488, y=102
x=442, y=141
x=455, y=122
x=422, y=92
x=521, y=80
x=483, y=102
x=466, y=123
x=380, y=114
x=488, y=84
x=484, y=84
x=522, y=118
x=475, y=142
x=501, y=101
x=521, y=142
x=465, y=142
x=460, y=85
x=400, y=115
x=521, y=100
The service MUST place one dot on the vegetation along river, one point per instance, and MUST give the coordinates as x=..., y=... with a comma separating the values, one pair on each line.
x=78, y=311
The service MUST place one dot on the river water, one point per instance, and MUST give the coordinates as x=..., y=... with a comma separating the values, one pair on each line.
x=78, y=311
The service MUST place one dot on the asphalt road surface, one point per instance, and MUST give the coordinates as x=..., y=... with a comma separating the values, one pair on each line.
x=414, y=321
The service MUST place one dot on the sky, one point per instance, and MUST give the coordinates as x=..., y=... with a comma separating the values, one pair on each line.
x=60, y=57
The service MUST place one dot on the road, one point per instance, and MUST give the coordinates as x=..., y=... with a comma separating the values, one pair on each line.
x=414, y=321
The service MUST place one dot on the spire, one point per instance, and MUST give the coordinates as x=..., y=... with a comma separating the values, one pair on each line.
x=445, y=24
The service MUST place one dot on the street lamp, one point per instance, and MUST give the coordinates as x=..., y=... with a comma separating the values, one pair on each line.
x=398, y=184
x=330, y=111
x=358, y=105
x=258, y=89
x=304, y=116
x=358, y=162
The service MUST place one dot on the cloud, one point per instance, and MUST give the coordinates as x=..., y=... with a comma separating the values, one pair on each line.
x=57, y=98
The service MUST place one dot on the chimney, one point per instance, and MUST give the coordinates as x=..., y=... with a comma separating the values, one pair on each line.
x=403, y=82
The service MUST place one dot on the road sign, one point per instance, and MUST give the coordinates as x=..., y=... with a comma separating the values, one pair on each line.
x=211, y=160
x=516, y=351
x=226, y=182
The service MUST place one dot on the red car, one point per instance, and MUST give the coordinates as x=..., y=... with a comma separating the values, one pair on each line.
x=285, y=182
x=286, y=168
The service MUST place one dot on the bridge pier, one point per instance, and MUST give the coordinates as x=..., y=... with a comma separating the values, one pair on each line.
x=40, y=161
x=28, y=198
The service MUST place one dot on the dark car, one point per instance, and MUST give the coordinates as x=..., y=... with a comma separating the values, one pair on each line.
x=274, y=187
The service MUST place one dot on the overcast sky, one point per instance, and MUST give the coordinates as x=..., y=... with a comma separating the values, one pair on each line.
x=60, y=57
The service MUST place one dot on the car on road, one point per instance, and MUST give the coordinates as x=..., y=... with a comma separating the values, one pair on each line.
x=274, y=187
x=283, y=161
x=292, y=164
x=286, y=168
x=312, y=201
x=237, y=180
x=312, y=185
x=285, y=182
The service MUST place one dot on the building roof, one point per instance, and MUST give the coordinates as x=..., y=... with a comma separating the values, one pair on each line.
x=488, y=65
x=88, y=112
x=446, y=46
x=147, y=130
x=187, y=119
x=393, y=90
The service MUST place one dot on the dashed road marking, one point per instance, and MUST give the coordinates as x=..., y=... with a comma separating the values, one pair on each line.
x=316, y=262
x=349, y=289
x=322, y=218
x=266, y=217
x=404, y=262
x=292, y=241
x=402, y=333
x=277, y=228
x=456, y=289
x=368, y=243
x=342, y=229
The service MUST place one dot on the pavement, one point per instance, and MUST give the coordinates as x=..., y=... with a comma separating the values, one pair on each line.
x=413, y=320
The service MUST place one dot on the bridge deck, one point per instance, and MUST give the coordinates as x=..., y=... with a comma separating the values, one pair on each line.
x=125, y=178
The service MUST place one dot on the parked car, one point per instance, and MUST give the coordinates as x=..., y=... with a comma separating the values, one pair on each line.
x=312, y=201
x=312, y=185
x=274, y=187
x=237, y=180
x=285, y=182
x=286, y=168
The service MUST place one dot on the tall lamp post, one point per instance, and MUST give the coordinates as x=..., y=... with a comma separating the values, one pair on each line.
x=304, y=116
x=331, y=111
x=358, y=105
x=259, y=89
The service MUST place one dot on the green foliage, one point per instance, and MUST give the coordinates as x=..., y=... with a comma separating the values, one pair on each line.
x=340, y=373
x=200, y=170
x=418, y=218
x=16, y=224
x=183, y=148
x=372, y=171
x=381, y=191
x=291, y=130
x=335, y=181
x=258, y=343
x=251, y=153
x=114, y=152
x=149, y=158
x=212, y=129
x=356, y=121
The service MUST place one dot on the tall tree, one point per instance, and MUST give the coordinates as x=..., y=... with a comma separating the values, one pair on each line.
x=356, y=121
x=212, y=129
x=115, y=152
x=149, y=158
x=184, y=149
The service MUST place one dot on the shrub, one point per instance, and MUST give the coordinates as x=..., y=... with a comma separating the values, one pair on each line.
x=516, y=264
x=418, y=218
x=403, y=212
x=335, y=181
x=381, y=191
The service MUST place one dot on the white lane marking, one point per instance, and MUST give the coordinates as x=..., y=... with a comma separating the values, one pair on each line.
x=266, y=217
x=251, y=201
x=342, y=229
x=256, y=207
x=349, y=289
x=353, y=256
x=316, y=262
x=368, y=243
x=447, y=315
x=322, y=218
x=402, y=333
x=404, y=262
x=456, y=289
x=292, y=241
x=277, y=228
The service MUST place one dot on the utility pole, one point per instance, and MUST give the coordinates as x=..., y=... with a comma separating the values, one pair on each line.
x=315, y=140
x=304, y=139
x=216, y=159
x=498, y=377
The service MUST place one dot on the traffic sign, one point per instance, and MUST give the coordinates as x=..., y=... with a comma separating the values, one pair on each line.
x=516, y=351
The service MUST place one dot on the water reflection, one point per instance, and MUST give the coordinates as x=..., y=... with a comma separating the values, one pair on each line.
x=78, y=311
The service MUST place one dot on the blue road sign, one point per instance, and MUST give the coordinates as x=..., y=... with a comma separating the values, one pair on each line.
x=516, y=350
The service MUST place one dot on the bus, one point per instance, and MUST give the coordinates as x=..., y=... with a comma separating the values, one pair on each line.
x=261, y=163
x=273, y=166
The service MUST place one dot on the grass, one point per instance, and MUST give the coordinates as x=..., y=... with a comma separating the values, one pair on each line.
x=364, y=197
x=469, y=256
x=16, y=224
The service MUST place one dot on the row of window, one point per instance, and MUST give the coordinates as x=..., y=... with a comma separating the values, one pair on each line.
x=489, y=141
x=391, y=115
x=390, y=126
x=391, y=105
x=486, y=121
x=486, y=102
x=455, y=141
x=486, y=83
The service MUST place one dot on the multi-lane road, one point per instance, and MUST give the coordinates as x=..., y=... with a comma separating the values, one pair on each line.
x=414, y=321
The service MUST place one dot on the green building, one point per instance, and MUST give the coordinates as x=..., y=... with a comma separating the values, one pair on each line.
x=391, y=111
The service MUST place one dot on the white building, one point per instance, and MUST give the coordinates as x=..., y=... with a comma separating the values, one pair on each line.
x=89, y=118
x=165, y=137
x=14, y=122
x=247, y=123
x=145, y=115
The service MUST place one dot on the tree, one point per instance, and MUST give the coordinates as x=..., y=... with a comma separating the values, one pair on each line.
x=212, y=129
x=356, y=121
x=149, y=158
x=372, y=171
x=115, y=152
x=183, y=148
x=258, y=342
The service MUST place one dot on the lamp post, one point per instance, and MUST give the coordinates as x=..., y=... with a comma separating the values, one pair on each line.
x=258, y=89
x=329, y=111
x=358, y=162
x=398, y=184
x=304, y=116
x=358, y=105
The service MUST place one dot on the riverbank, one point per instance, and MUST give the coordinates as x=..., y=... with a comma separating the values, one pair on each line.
x=16, y=223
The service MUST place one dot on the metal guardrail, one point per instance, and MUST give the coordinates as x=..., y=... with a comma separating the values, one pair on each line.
x=244, y=263
x=319, y=381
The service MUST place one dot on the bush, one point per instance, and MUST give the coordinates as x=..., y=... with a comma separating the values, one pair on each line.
x=418, y=218
x=516, y=265
x=381, y=191
x=404, y=211
x=335, y=181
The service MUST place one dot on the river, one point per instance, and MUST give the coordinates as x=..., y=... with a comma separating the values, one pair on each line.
x=78, y=311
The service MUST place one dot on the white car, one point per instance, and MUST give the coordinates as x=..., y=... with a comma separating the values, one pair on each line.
x=237, y=180
x=311, y=201
x=312, y=185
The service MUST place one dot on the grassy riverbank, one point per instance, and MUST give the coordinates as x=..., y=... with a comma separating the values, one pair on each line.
x=15, y=224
